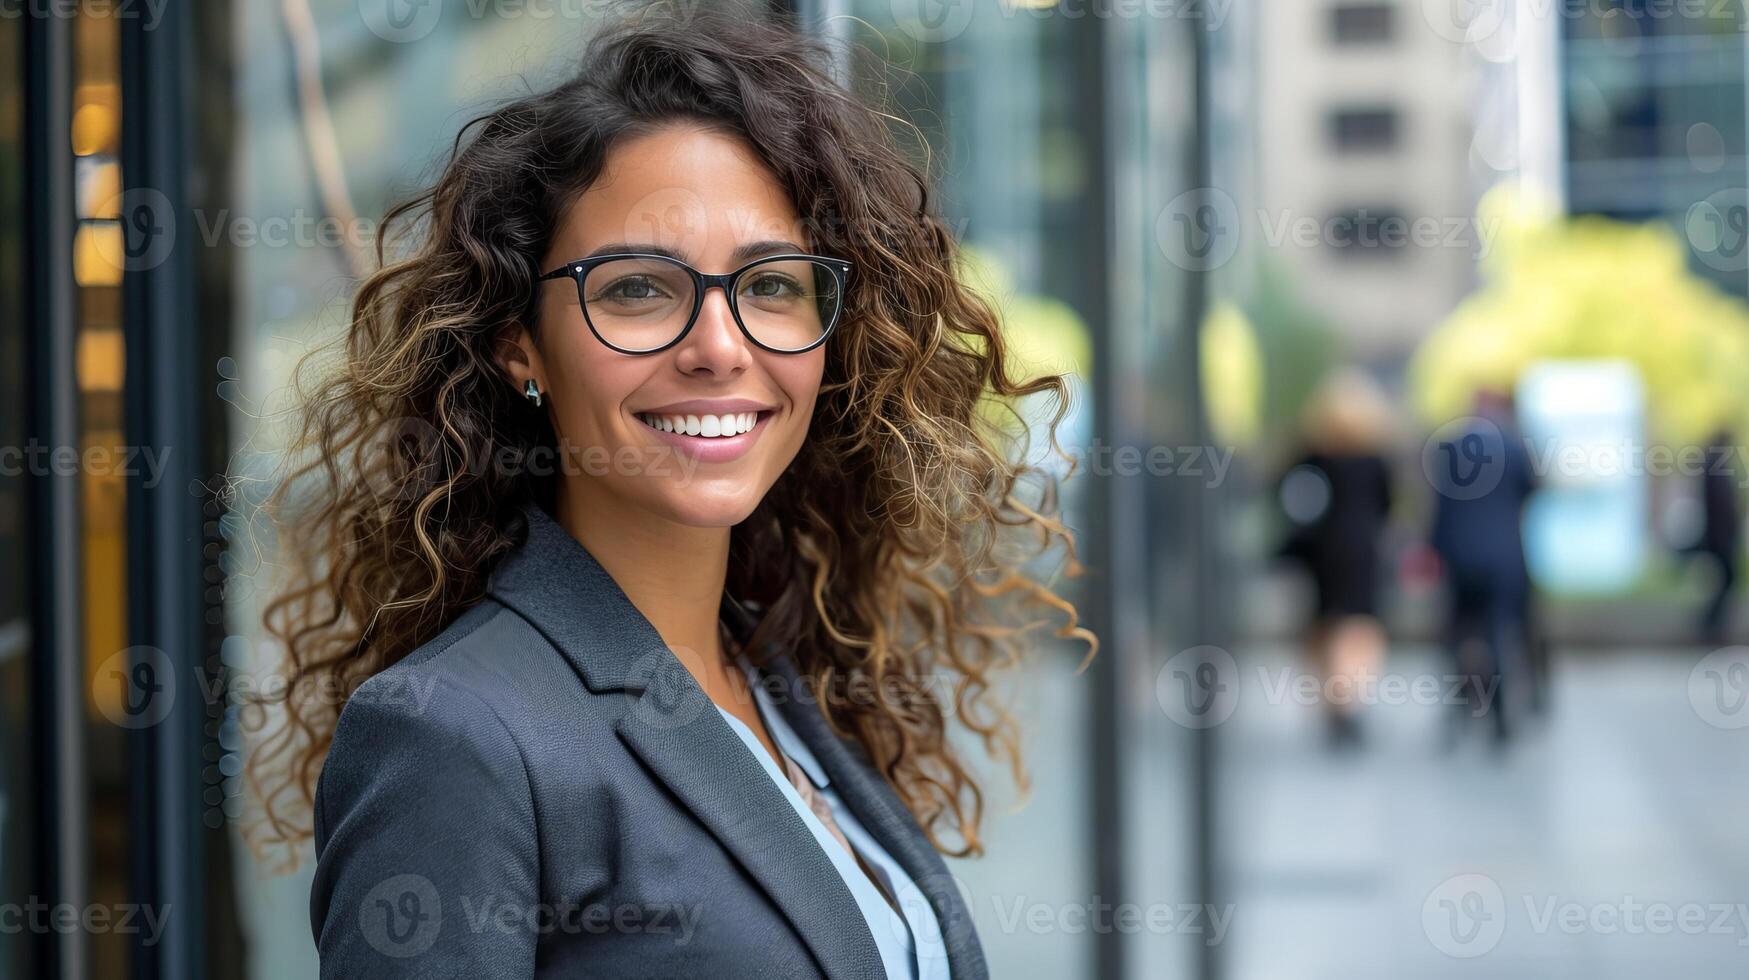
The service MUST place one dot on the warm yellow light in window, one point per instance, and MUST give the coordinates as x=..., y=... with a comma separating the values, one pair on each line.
x=102, y=360
x=93, y=129
x=96, y=119
x=97, y=254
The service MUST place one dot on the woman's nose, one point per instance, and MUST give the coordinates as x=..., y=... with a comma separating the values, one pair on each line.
x=715, y=345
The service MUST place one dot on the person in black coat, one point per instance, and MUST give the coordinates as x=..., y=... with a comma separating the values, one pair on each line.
x=1338, y=497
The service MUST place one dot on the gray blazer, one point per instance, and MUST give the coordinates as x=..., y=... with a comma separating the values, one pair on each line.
x=543, y=790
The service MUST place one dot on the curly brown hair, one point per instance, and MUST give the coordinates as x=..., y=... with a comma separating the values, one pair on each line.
x=879, y=556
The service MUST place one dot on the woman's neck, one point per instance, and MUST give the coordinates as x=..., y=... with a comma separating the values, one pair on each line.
x=671, y=572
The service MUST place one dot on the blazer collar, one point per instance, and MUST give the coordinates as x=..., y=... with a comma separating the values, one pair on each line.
x=559, y=587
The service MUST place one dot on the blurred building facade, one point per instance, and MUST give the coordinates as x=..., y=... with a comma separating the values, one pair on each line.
x=1363, y=121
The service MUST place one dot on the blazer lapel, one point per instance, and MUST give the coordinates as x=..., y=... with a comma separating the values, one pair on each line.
x=672, y=726
x=676, y=730
x=888, y=819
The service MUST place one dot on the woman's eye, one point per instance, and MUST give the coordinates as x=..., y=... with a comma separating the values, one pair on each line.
x=631, y=289
x=771, y=285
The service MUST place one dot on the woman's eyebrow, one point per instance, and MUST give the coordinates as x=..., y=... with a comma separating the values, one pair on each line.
x=642, y=248
x=753, y=250
x=743, y=253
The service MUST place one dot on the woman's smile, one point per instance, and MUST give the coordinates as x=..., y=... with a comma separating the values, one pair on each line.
x=711, y=430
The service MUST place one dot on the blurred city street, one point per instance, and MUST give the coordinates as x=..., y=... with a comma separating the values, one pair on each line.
x=1602, y=845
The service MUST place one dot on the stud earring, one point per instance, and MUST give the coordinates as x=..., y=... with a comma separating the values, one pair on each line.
x=531, y=391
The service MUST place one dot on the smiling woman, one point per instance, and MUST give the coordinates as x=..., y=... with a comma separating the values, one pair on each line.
x=710, y=682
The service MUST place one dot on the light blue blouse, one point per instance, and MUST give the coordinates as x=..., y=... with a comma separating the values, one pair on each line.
x=905, y=958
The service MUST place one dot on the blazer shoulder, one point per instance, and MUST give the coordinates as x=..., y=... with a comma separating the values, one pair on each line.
x=443, y=685
x=489, y=651
x=468, y=684
x=426, y=781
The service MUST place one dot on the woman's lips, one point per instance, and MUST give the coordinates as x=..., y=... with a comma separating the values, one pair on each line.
x=711, y=449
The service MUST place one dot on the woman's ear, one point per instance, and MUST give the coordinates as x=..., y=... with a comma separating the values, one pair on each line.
x=520, y=358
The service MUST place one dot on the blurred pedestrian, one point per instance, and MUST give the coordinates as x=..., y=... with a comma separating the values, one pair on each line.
x=1721, y=534
x=1337, y=497
x=1482, y=477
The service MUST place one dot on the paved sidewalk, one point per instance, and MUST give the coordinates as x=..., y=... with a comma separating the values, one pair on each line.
x=1612, y=841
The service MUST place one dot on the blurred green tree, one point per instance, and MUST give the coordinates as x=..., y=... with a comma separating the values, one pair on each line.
x=1590, y=288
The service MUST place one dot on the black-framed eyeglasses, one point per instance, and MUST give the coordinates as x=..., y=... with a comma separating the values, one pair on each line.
x=643, y=303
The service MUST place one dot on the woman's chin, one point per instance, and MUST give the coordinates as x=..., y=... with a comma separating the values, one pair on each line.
x=701, y=505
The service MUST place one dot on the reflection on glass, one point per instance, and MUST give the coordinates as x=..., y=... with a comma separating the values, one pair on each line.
x=96, y=134
x=992, y=109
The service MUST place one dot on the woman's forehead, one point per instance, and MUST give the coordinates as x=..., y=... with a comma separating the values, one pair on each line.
x=697, y=194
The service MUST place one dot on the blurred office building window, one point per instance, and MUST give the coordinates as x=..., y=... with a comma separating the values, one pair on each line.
x=1376, y=230
x=1365, y=129
x=1654, y=125
x=1362, y=23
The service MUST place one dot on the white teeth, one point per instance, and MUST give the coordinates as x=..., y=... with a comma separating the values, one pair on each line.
x=704, y=426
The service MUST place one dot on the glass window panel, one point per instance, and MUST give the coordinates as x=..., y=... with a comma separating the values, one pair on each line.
x=995, y=91
x=317, y=159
